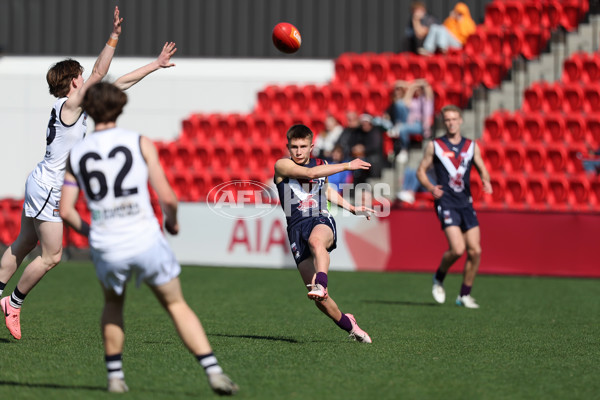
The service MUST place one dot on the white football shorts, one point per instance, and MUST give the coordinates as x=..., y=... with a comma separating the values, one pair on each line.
x=41, y=201
x=155, y=266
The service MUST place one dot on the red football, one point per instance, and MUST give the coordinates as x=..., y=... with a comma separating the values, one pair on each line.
x=286, y=37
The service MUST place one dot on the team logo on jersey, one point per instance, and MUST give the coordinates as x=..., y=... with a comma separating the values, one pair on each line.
x=457, y=182
x=308, y=203
x=449, y=154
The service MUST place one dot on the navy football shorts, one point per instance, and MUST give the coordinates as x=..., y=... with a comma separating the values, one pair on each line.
x=465, y=218
x=299, y=233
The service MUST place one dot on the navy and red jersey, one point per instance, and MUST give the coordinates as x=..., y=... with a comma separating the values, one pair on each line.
x=452, y=164
x=302, y=198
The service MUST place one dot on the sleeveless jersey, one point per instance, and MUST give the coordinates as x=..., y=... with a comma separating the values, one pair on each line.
x=452, y=165
x=60, y=139
x=111, y=171
x=302, y=198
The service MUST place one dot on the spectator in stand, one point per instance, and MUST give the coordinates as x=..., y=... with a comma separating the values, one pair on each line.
x=367, y=144
x=341, y=178
x=453, y=33
x=326, y=139
x=352, y=124
x=418, y=25
x=411, y=185
x=410, y=113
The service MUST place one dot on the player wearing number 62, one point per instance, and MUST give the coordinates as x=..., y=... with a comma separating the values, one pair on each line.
x=40, y=218
x=113, y=167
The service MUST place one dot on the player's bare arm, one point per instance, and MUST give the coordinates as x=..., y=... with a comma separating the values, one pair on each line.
x=163, y=61
x=72, y=108
x=159, y=182
x=69, y=196
x=285, y=167
x=483, y=172
x=425, y=164
x=337, y=199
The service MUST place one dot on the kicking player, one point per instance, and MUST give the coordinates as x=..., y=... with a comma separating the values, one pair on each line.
x=452, y=157
x=303, y=192
x=40, y=218
x=113, y=166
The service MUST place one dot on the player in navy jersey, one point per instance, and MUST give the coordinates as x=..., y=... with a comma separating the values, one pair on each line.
x=67, y=125
x=452, y=157
x=303, y=192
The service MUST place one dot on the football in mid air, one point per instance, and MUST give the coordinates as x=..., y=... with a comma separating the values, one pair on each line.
x=286, y=38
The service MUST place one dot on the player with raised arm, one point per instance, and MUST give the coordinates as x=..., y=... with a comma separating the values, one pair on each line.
x=40, y=218
x=452, y=157
x=113, y=166
x=303, y=192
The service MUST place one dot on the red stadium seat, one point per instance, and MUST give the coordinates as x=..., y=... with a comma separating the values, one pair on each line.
x=493, y=127
x=533, y=98
x=537, y=191
x=553, y=97
x=514, y=127
x=398, y=67
x=516, y=191
x=572, y=13
x=166, y=154
x=475, y=45
x=556, y=156
x=266, y=99
x=455, y=69
x=340, y=95
x=575, y=128
x=558, y=188
x=580, y=192
x=591, y=69
x=494, y=43
x=476, y=190
x=514, y=154
x=493, y=156
x=320, y=98
x=357, y=97
x=513, y=43
x=591, y=98
x=181, y=182
x=417, y=67
x=343, y=68
x=534, y=127
x=494, y=14
x=435, y=68
x=535, y=154
x=513, y=14
x=573, y=98
x=592, y=127
x=184, y=156
x=378, y=100
x=573, y=69
x=474, y=71
x=379, y=69
x=554, y=124
x=202, y=157
x=534, y=41
x=552, y=11
x=595, y=191
x=532, y=14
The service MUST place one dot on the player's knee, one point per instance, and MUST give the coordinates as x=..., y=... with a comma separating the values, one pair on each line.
x=474, y=252
x=315, y=243
x=52, y=260
x=457, y=251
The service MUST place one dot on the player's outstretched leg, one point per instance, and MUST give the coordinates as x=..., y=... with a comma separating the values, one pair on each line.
x=356, y=333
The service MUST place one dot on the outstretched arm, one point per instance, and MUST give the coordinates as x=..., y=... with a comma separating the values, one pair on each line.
x=337, y=199
x=163, y=61
x=72, y=107
x=285, y=167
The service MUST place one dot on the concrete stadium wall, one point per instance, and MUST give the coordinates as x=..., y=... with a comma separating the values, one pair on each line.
x=156, y=106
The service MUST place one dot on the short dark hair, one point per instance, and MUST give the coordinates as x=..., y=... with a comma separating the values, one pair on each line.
x=299, y=131
x=60, y=75
x=104, y=102
x=451, y=107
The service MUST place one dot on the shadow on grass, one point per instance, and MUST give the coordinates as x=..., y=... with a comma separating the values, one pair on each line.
x=51, y=386
x=4, y=340
x=402, y=303
x=272, y=338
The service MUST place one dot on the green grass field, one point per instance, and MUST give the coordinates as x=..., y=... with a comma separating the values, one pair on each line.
x=533, y=338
